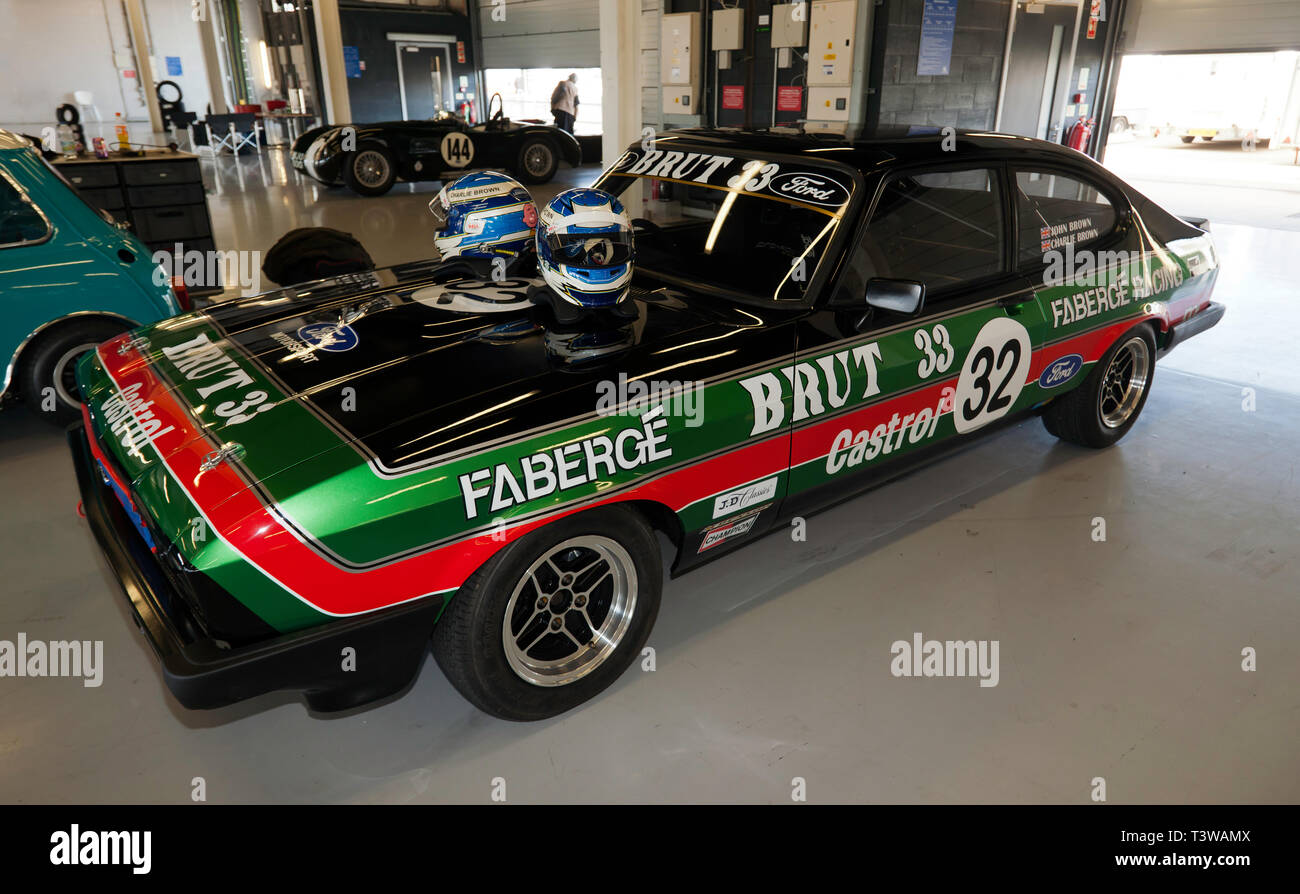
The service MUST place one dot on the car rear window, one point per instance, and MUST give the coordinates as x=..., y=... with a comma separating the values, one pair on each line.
x=1055, y=210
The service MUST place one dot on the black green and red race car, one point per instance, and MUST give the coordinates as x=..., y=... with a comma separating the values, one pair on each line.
x=370, y=158
x=302, y=489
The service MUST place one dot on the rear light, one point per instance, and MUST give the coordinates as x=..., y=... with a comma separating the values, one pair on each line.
x=182, y=293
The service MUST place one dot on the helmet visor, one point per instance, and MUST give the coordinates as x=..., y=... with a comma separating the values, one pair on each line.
x=591, y=249
x=439, y=212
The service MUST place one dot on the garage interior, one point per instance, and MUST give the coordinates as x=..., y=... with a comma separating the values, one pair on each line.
x=1121, y=658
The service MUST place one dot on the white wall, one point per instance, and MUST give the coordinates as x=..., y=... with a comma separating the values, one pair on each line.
x=175, y=33
x=52, y=47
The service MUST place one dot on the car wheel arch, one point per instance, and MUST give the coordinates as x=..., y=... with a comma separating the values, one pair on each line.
x=28, y=347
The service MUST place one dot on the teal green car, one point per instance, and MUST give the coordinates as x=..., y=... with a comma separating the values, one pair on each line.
x=70, y=278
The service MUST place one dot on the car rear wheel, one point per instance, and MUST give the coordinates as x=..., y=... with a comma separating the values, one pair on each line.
x=1187, y=139
x=1102, y=410
x=537, y=161
x=555, y=617
x=370, y=171
x=49, y=383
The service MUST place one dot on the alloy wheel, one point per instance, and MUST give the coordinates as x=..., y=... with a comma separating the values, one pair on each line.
x=570, y=610
x=1125, y=382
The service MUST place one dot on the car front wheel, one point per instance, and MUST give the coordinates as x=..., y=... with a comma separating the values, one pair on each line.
x=370, y=171
x=555, y=617
x=1102, y=410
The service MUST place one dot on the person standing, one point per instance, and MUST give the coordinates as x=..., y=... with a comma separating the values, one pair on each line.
x=564, y=103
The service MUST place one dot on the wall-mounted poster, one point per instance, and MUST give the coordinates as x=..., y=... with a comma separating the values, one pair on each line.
x=938, y=21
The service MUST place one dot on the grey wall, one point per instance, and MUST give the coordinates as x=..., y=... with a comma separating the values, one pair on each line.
x=968, y=95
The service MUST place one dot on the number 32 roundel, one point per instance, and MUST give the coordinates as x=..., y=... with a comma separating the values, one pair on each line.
x=993, y=375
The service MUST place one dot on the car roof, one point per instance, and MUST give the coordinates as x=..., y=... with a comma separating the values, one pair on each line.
x=11, y=140
x=869, y=150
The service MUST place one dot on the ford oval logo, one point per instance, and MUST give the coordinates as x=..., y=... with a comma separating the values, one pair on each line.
x=1061, y=370
x=329, y=336
x=813, y=188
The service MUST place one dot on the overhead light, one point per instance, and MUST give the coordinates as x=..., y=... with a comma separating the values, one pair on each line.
x=266, y=65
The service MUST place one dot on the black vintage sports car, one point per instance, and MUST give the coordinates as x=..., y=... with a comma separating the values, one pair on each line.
x=369, y=158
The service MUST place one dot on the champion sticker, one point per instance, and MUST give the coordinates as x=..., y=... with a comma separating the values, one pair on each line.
x=736, y=527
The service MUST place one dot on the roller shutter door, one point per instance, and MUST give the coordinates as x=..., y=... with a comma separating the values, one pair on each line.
x=1207, y=26
x=541, y=34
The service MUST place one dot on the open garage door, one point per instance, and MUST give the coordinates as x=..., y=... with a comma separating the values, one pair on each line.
x=539, y=33
x=1211, y=26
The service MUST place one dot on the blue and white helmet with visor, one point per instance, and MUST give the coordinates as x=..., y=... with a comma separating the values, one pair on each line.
x=585, y=248
x=483, y=215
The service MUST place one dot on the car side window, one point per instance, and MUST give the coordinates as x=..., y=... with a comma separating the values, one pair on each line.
x=940, y=228
x=20, y=222
x=1054, y=210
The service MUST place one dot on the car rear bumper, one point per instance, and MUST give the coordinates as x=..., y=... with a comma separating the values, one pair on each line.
x=1193, y=325
x=387, y=646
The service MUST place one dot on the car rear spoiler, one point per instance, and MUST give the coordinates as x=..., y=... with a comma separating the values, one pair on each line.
x=1201, y=223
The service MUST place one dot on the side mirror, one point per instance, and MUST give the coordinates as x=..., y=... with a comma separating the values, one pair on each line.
x=903, y=296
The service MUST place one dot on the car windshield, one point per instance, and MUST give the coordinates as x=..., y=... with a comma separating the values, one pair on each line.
x=750, y=228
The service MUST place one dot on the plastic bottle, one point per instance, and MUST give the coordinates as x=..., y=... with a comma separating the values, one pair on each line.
x=123, y=135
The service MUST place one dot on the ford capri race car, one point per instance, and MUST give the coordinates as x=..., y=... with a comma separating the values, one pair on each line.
x=302, y=489
x=369, y=158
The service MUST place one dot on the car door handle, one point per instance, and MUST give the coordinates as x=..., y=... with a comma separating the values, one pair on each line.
x=1016, y=299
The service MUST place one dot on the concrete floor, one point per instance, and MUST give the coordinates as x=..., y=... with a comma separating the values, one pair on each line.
x=1217, y=180
x=1119, y=659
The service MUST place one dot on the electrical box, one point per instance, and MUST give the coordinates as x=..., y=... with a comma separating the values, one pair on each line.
x=833, y=26
x=789, y=26
x=680, y=47
x=729, y=29
x=828, y=103
x=783, y=57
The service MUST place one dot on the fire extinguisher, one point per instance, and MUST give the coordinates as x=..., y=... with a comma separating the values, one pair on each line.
x=1080, y=134
x=467, y=111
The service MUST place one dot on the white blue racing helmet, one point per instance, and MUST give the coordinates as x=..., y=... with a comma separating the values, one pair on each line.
x=584, y=247
x=483, y=215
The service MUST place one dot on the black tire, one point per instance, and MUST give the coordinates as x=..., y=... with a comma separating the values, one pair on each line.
x=158, y=92
x=310, y=253
x=1187, y=139
x=469, y=640
x=537, y=161
x=1079, y=416
x=1118, y=124
x=48, y=363
x=370, y=170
